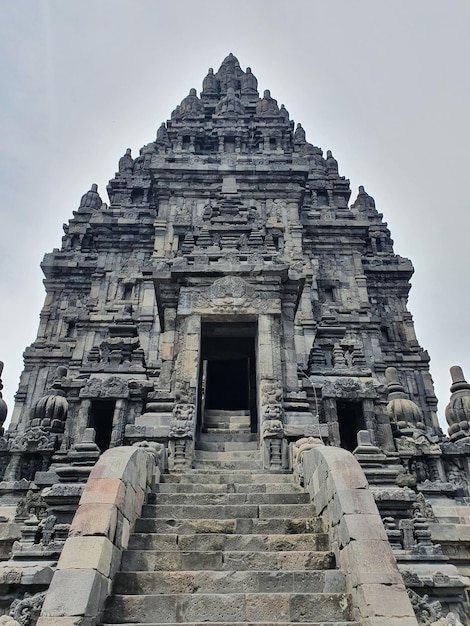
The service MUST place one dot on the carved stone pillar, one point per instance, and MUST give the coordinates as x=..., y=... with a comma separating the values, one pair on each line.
x=12, y=472
x=82, y=419
x=119, y=422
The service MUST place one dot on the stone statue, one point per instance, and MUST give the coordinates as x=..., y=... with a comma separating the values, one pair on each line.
x=91, y=199
x=210, y=83
x=248, y=83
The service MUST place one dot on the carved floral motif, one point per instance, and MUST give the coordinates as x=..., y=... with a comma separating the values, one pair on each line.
x=34, y=439
x=112, y=387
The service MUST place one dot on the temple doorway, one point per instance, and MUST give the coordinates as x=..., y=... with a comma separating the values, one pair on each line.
x=350, y=421
x=227, y=380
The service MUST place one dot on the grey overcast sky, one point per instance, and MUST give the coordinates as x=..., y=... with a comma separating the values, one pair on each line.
x=383, y=84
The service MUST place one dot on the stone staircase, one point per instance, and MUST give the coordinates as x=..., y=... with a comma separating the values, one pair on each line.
x=231, y=451
x=226, y=548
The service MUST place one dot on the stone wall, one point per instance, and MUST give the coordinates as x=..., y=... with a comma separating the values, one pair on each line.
x=111, y=502
x=341, y=494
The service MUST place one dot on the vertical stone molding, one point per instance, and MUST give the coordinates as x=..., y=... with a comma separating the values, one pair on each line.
x=111, y=502
x=340, y=492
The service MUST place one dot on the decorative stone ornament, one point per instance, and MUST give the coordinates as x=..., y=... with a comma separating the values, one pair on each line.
x=401, y=410
x=458, y=410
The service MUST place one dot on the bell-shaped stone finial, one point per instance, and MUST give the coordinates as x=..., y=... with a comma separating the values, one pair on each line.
x=126, y=162
x=190, y=107
x=248, y=83
x=230, y=105
x=331, y=163
x=400, y=409
x=91, y=200
x=50, y=411
x=3, y=404
x=229, y=73
x=283, y=112
x=299, y=135
x=364, y=202
x=210, y=84
x=458, y=410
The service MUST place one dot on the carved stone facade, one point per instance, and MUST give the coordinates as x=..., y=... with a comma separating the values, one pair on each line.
x=229, y=258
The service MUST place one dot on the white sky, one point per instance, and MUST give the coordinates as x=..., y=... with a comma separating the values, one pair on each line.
x=383, y=84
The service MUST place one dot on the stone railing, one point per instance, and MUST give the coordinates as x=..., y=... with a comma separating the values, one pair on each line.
x=341, y=495
x=111, y=502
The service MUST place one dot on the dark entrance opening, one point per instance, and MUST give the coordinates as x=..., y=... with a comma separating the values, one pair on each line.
x=351, y=421
x=101, y=419
x=228, y=372
x=227, y=384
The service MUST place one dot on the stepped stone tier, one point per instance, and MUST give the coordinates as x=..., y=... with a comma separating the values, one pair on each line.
x=231, y=316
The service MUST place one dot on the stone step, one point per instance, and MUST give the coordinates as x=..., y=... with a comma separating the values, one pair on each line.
x=237, y=455
x=229, y=436
x=247, y=464
x=219, y=560
x=224, y=511
x=275, y=525
x=207, y=581
x=226, y=446
x=227, y=413
x=231, y=542
x=226, y=488
x=246, y=477
x=228, y=498
x=248, y=607
x=329, y=623
x=230, y=422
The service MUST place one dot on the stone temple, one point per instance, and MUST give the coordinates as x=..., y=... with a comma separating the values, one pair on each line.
x=226, y=417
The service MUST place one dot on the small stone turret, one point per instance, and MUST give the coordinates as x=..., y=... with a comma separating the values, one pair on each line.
x=458, y=410
x=249, y=83
x=126, y=162
x=91, y=200
x=3, y=404
x=210, y=85
x=400, y=409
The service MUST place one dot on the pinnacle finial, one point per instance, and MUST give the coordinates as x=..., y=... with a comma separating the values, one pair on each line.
x=402, y=411
x=458, y=410
x=91, y=199
x=3, y=404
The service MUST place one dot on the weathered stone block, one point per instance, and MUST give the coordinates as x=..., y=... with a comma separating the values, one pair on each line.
x=90, y=589
x=369, y=562
x=96, y=553
x=267, y=607
x=65, y=621
x=104, y=491
x=387, y=601
x=94, y=519
x=351, y=502
x=361, y=527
